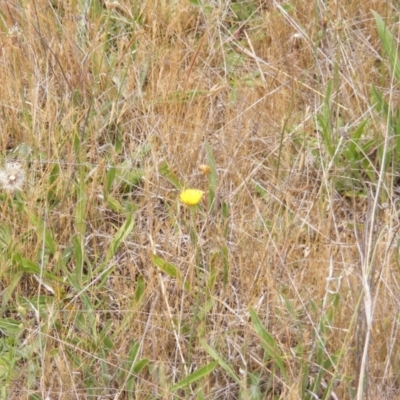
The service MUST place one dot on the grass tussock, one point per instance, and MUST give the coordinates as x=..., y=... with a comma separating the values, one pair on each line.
x=282, y=282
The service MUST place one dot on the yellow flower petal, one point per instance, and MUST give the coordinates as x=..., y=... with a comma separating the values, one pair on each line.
x=191, y=197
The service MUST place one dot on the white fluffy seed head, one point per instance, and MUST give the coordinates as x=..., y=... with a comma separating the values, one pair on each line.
x=12, y=177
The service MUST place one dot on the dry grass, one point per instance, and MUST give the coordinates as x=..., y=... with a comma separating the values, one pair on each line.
x=282, y=284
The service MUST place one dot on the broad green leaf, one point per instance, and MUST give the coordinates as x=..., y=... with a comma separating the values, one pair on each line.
x=169, y=268
x=140, y=365
x=195, y=376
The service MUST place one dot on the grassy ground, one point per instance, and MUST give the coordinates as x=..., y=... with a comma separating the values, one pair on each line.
x=282, y=283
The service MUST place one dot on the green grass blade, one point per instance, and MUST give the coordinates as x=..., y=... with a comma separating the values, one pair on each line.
x=324, y=121
x=380, y=104
x=140, y=365
x=79, y=259
x=120, y=236
x=259, y=189
x=225, y=211
x=123, y=232
x=133, y=367
x=50, y=243
x=352, y=153
x=225, y=258
x=140, y=289
x=389, y=45
x=195, y=376
x=29, y=267
x=220, y=361
x=80, y=212
x=110, y=176
x=10, y=327
x=212, y=178
x=268, y=343
x=167, y=173
x=114, y=205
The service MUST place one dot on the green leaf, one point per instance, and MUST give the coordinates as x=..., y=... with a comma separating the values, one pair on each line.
x=127, y=177
x=9, y=290
x=115, y=205
x=212, y=178
x=167, y=173
x=324, y=121
x=268, y=343
x=51, y=194
x=195, y=376
x=28, y=266
x=140, y=365
x=123, y=232
x=119, y=237
x=35, y=396
x=81, y=205
x=49, y=241
x=389, y=45
x=380, y=104
x=225, y=255
x=140, y=289
x=353, y=150
x=220, y=360
x=79, y=256
x=169, y=268
x=10, y=327
x=110, y=176
x=133, y=352
x=131, y=368
x=259, y=189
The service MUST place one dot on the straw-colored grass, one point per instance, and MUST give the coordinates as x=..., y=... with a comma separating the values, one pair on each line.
x=282, y=283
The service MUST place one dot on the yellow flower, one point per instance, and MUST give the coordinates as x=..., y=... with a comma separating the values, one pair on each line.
x=191, y=197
